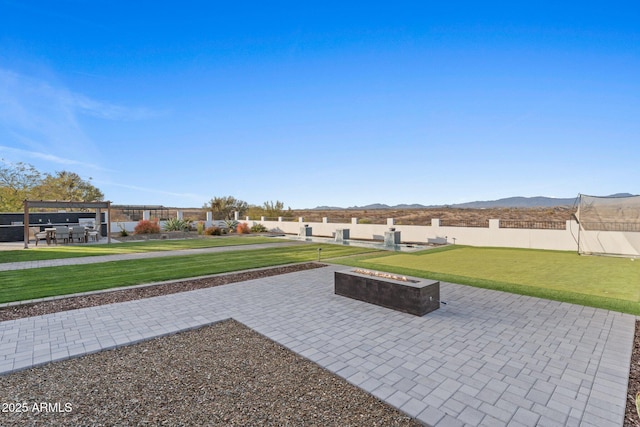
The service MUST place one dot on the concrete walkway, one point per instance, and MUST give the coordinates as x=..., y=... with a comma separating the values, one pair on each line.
x=486, y=359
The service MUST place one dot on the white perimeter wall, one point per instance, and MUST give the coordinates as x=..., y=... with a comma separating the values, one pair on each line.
x=474, y=236
x=612, y=242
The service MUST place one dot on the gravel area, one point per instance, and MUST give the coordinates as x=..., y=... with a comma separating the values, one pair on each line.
x=224, y=374
x=631, y=418
x=46, y=307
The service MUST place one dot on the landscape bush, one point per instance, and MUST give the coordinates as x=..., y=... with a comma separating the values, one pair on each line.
x=213, y=231
x=258, y=228
x=200, y=228
x=243, y=228
x=145, y=226
x=176, y=224
x=123, y=230
x=231, y=224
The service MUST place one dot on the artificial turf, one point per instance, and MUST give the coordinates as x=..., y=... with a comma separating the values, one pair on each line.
x=18, y=285
x=75, y=251
x=605, y=282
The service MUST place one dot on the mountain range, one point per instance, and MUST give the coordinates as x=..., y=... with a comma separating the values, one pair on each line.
x=509, y=202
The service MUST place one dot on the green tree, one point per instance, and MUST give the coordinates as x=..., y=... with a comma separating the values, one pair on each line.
x=17, y=182
x=22, y=181
x=270, y=209
x=68, y=186
x=224, y=207
x=273, y=209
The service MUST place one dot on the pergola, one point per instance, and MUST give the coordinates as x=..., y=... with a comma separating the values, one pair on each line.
x=62, y=204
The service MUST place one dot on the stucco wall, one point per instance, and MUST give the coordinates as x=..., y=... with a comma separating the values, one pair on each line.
x=474, y=236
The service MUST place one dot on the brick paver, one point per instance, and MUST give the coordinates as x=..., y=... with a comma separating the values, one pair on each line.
x=486, y=358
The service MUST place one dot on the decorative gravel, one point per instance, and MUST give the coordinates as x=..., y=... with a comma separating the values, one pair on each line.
x=631, y=418
x=220, y=375
x=113, y=296
x=224, y=374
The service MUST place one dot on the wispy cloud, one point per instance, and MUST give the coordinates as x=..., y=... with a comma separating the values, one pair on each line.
x=105, y=110
x=181, y=195
x=40, y=120
x=50, y=158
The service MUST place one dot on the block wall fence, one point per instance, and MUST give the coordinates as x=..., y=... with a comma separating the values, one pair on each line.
x=604, y=242
x=566, y=239
x=492, y=236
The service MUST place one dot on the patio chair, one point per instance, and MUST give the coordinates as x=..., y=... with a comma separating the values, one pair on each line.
x=78, y=232
x=37, y=234
x=62, y=233
x=94, y=235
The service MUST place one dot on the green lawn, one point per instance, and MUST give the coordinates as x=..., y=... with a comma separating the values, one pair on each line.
x=605, y=282
x=18, y=285
x=74, y=251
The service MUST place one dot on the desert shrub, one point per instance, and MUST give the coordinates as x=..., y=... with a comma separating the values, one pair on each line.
x=213, y=231
x=200, y=228
x=123, y=230
x=231, y=224
x=145, y=226
x=258, y=228
x=243, y=228
x=176, y=224
x=364, y=221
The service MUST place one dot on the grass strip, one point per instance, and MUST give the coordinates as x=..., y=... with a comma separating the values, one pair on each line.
x=18, y=285
x=608, y=283
x=60, y=252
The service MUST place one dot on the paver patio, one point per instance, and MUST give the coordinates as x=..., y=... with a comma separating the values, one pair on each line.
x=486, y=358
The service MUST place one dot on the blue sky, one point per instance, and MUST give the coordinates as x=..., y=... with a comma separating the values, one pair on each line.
x=324, y=103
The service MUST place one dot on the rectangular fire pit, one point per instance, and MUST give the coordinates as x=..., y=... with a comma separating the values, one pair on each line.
x=413, y=295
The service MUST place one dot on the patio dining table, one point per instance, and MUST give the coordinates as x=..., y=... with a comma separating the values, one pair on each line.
x=51, y=234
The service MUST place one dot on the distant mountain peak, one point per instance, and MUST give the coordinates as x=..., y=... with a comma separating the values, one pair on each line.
x=520, y=202
x=508, y=202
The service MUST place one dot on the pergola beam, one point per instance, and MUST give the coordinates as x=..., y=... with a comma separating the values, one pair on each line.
x=64, y=204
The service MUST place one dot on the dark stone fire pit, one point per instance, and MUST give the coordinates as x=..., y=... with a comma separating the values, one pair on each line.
x=413, y=295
